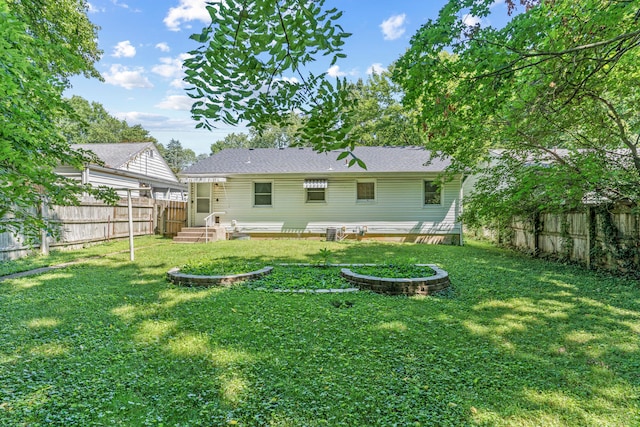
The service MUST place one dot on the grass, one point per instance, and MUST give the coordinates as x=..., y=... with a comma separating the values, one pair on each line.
x=397, y=270
x=518, y=342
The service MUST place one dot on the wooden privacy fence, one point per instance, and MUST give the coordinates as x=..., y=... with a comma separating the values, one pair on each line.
x=94, y=221
x=172, y=216
x=597, y=236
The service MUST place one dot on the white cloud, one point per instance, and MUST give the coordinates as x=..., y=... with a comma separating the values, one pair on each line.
x=122, y=5
x=376, y=68
x=163, y=47
x=171, y=68
x=293, y=80
x=334, y=71
x=176, y=102
x=187, y=11
x=128, y=78
x=470, y=20
x=393, y=28
x=124, y=49
x=153, y=122
x=91, y=8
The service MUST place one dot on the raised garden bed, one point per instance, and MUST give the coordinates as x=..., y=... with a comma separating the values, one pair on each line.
x=400, y=285
x=176, y=277
x=325, y=278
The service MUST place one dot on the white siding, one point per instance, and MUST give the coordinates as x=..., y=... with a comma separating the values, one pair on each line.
x=99, y=178
x=397, y=209
x=150, y=165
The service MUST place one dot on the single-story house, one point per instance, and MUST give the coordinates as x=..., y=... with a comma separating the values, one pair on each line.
x=129, y=165
x=297, y=192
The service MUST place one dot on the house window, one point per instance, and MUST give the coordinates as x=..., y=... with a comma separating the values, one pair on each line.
x=366, y=191
x=315, y=189
x=315, y=194
x=262, y=194
x=432, y=193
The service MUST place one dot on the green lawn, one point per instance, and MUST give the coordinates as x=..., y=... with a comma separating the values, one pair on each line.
x=517, y=342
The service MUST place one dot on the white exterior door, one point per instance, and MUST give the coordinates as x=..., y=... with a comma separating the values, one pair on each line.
x=202, y=203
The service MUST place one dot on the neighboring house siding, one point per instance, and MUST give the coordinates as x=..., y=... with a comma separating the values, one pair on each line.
x=150, y=165
x=98, y=179
x=398, y=207
x=114, y=181
x=129, y=166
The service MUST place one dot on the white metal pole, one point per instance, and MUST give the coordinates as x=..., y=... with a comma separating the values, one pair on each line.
x=130, y=208
x=44, y=240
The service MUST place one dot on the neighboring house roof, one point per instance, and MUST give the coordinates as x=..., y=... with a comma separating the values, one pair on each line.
x=305, y=160
x=116, y=155
x=140, y=161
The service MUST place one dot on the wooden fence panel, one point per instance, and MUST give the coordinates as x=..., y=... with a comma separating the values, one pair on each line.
x=94, y=221
x=595, y=237
x=172, y=216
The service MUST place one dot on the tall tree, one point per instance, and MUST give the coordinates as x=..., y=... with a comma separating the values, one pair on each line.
x=176, y=156
x=278, y=136
x=42, y=44
x=91, y=123
x=379, y=118
x=559, y=74
x=252, y=68
x=232, y=140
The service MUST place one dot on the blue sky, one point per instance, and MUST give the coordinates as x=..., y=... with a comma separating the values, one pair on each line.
x=145, y=41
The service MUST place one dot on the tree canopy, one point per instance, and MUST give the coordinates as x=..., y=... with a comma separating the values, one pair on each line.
x=272, y=136
x=91, y=123
x=559, y=74
x=252, y=69
x=176, y=156
x=378, y=115
x=42, y=44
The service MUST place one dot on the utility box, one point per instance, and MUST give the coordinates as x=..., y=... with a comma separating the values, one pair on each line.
x=331, y=234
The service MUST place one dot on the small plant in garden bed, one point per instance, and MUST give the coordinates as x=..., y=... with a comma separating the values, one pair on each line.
x=296, y=277
x=219, y=268
x=394, y=271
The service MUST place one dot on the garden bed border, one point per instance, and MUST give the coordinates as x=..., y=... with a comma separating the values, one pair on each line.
x=400, y=286
x=182, y=279
x=385, y=285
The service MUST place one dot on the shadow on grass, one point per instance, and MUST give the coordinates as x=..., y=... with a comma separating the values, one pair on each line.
x=523, y=342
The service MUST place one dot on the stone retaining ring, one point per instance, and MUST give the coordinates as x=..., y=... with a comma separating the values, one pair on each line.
x=182, y=279
x=400, y=286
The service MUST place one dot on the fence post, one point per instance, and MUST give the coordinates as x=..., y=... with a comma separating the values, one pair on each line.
x=536, y=233
x=130, y=212
x=44, y=238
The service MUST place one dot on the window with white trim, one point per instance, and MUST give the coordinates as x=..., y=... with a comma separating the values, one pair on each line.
x=432, y=193
x=262, y=193
x=365, y=191
x=315, y=190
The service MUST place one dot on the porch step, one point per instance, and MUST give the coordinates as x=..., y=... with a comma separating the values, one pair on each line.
x=197, y=235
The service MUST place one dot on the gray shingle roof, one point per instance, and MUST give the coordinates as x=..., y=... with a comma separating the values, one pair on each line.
x=305, y=160
x=115, y=155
